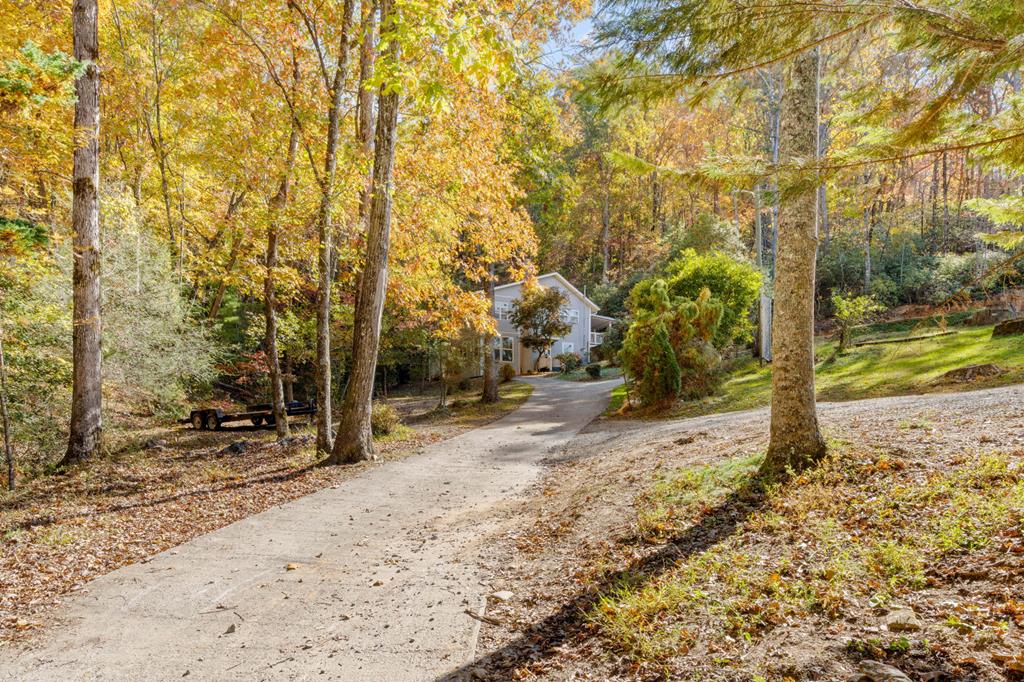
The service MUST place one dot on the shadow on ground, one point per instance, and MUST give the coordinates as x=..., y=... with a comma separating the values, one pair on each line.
x=543, y=640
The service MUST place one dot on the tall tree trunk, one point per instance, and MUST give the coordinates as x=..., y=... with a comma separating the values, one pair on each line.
x=324, y=419
x=606, y=220
x=796, y=441
x=655, y=202
x=759, y=252
x=355, y=440
x=6, y=420
x=288, y=379
x=945, y=199
x=824, y=140
x=277, y=206
x=87, y=379
x=869, y=235
x=934, y=197
x=364, y=101
x=156, y=135
x=490, y=394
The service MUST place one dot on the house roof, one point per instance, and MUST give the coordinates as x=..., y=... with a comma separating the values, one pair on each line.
x=561, y=280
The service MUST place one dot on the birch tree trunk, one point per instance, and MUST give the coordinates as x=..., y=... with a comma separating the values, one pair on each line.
x=796, y=441
x=490, y=394
x=324, y=420
x=277, y=206
x=355, y=439
x=87, y=381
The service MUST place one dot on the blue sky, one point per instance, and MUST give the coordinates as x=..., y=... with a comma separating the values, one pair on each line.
x=569, y=44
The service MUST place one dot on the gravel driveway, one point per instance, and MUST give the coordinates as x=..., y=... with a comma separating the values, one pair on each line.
x=374, y=579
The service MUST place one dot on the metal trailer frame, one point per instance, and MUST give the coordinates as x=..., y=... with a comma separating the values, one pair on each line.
x=211, y=419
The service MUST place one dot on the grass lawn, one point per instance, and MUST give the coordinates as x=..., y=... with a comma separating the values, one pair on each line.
x=882, y=529
x=871, y=371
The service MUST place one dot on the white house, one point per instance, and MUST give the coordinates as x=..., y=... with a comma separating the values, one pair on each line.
x=587, y=331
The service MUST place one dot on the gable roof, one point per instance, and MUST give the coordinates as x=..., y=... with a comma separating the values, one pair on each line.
x=561, y=280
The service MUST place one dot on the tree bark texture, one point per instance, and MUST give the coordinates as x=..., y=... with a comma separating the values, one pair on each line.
x=606, y=222
x=4, y=416
x=277, y=206
x=87, y=381
x=796, y=441
x=364, y=101
x=324, y=419
x=355, y=439
x=490, y=394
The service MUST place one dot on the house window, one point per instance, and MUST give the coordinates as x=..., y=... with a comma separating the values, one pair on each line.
x=502, y=310
x=570, y=315
x=568, y=347
x=503, y=349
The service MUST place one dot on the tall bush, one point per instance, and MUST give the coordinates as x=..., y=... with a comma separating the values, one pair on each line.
x=668, y=351
x=850, y=312
x=733, y=283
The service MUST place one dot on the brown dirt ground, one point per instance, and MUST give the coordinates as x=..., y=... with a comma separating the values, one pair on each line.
x=578, y=531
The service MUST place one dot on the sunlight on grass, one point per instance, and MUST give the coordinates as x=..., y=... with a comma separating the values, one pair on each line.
x=469, y=409
x=873, y=371
x=862, y=529
x=399, y=434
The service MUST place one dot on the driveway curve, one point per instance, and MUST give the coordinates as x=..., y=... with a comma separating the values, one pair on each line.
x=374, y=579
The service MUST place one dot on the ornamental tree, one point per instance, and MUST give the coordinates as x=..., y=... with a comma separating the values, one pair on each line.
x=538, y=317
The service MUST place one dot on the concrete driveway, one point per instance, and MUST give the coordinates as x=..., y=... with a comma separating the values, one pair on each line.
x=370, y=580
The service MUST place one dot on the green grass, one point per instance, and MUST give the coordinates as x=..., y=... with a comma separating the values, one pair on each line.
x=909, y=327
x=870, y=371
x=467, y=408
x=859, y=531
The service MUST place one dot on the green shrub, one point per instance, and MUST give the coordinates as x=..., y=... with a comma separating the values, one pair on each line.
x=851, y=312
x=507, y=373
x=668, y=350
x=594, y=370
x=733, y=283
x=384, y=419
x=569, y=362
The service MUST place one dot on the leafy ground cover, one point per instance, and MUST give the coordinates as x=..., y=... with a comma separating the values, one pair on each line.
x=870, y=371
x=662, y=556
x=59, y=532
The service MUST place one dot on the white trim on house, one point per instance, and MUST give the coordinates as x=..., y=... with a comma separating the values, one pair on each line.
x=505, y=353
x=578, y=310
x=561, y=280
